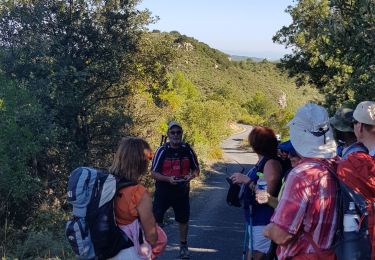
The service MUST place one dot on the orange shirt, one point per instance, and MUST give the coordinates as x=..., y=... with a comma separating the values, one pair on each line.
x=126, y=203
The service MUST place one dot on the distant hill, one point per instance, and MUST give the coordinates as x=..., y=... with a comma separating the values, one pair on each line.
x=242, y=58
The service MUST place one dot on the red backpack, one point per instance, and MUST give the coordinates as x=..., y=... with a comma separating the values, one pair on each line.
x=358, y=173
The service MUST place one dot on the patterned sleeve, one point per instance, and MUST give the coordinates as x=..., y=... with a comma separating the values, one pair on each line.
x=293, y=204
x=157, y=161
x=194, y=165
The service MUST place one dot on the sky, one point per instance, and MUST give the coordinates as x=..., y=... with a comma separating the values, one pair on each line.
x=237, y=27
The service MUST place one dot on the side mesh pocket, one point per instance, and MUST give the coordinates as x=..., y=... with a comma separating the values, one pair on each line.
x=78, y=235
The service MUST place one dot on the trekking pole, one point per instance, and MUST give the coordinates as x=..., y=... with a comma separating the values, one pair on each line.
x=243, y=168
x=251, y=232
x=244, y=249
x=163, y=139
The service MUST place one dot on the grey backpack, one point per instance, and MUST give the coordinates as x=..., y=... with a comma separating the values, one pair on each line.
x=92, y=231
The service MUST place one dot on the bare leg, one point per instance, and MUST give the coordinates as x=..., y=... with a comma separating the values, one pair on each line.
x=259, y=255
x=256, y=255
x=184, y=227
x=248, y=255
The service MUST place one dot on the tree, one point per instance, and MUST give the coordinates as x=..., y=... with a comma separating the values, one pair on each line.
x=25, y=132
x=72, y=54
x=68, y=62
x=333, y=47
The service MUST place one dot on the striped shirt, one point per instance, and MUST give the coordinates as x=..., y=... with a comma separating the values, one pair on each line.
x=307, y=205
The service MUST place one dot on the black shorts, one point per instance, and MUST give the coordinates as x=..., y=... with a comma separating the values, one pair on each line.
x=175, y=196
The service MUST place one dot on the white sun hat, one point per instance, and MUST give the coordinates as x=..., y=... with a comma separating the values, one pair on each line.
x=311, y=134
x=365, y=112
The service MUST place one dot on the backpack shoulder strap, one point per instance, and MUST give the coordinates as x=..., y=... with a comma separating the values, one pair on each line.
x=260, y=165
x=186, y=148
x=123, y=183
x=186, y=145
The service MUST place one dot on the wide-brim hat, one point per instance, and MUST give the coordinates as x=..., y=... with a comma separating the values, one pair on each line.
x=287, y=147
x=311, y=134
x=343, y=120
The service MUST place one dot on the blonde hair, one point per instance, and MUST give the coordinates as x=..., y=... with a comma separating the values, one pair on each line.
x=130, y=160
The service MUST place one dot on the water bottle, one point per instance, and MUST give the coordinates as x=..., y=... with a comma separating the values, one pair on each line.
x=351, y=219
x=261, y=189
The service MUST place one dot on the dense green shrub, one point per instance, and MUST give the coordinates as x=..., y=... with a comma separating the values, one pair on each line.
x=25, y=132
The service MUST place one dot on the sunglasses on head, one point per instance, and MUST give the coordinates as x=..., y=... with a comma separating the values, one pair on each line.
x=178, y=132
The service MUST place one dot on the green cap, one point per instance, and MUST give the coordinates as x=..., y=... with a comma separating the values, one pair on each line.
x=342, y=120
x=260, y=174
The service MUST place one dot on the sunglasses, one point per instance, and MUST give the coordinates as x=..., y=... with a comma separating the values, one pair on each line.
x=175, y=132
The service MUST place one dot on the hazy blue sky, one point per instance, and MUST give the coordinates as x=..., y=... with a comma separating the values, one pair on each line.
x=241, y=27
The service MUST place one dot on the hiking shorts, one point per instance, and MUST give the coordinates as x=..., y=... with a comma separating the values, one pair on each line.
x=178, y=199
x=260, y=243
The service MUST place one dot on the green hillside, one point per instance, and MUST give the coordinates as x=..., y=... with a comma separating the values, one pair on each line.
x=252, y=92
x=214, y=73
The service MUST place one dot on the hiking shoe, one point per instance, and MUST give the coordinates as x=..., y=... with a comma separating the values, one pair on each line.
x=184, y=252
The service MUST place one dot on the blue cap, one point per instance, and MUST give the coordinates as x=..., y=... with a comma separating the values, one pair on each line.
x=287, y=147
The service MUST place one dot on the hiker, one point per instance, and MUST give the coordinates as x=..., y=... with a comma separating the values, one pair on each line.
x=304, y=221
x=358, y=171
x=344, y=133
x=174, y=165
x=264, y=143
x=286, y=149
x=289, y=159
x=283, y=154
x=133, y=207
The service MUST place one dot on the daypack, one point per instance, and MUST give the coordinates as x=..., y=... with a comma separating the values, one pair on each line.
x=92, y=231
x=233, y=198
x=351, y=245
x=354, y=245
x=357, y=183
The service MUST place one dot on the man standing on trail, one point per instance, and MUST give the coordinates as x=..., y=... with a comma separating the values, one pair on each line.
x=174, y=165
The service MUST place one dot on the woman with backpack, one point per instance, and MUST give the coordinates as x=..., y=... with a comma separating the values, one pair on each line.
x=263, y=142
x=133, y=205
